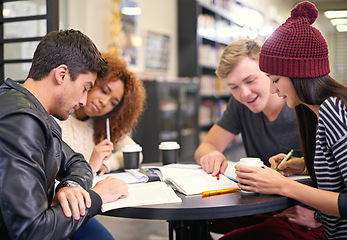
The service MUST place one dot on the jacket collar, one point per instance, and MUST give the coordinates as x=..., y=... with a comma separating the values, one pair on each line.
x=12, y=84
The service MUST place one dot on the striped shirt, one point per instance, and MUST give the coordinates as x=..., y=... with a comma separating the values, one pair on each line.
x=331, y=159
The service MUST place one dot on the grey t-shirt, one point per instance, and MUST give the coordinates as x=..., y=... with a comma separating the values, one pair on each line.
x=262, y=138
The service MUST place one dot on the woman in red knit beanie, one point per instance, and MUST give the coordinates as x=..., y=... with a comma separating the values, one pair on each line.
x=295, y=57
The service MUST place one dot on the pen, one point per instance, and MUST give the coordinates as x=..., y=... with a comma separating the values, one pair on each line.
x=108, y=134
x=286, y=158
x=218, y=192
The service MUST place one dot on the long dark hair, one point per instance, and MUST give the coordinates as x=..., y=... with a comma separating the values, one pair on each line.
x=313, y=91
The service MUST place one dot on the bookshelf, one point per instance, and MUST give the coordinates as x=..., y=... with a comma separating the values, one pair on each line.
x=205, y=28
x=171, y=115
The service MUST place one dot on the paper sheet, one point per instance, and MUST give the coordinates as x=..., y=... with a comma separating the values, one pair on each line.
x=145, y=194
x=129, y=177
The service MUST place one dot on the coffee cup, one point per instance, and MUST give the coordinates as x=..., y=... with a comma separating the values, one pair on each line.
x=169, y=152
x=250, y=161
x=131, y=155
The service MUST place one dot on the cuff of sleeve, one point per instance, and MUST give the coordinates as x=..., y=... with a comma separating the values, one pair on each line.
x=342, y=204
x=115, y=162
x=96, y=203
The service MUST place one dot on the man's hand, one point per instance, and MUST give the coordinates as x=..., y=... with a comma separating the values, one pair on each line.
x=214, y=163
x=75, y=197
x=110, y=189
x=294, y=166
x=101, y=152
x=301, y=216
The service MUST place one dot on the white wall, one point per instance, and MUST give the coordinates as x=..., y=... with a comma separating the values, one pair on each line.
x=93, y=17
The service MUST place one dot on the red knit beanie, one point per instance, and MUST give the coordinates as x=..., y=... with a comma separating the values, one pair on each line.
x=295, y=48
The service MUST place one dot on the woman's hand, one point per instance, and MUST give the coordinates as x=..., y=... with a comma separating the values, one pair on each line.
x=301, y=216
x=260, y=180
x=101, y=152
x=294, y=166
x=103, y=170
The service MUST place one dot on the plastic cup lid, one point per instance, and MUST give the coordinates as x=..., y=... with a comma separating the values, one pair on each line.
x=132, y=148
x=169, y=145
x=251, y=161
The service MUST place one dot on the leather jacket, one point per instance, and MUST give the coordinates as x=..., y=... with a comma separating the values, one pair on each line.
x=32, y=156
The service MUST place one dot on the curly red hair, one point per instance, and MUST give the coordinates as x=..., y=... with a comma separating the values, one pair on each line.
x=124, y=117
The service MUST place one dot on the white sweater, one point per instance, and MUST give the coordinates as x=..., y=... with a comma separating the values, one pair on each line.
x=79, y=136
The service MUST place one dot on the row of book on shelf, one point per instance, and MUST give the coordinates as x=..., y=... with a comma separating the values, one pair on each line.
x=210, y=111
x=213, y=86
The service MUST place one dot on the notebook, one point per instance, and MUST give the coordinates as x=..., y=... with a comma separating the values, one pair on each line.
x=144, y=194
x=191, y=179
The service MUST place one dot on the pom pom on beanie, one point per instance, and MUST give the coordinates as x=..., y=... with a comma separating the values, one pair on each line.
x=295, y=48
x=305, y=9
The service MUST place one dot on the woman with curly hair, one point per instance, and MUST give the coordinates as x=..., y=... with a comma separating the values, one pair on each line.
x=122, y=100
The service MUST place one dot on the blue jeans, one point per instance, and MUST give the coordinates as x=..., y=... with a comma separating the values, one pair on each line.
x=92, y=230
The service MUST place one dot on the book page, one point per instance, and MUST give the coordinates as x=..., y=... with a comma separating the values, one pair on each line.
x=191, y=179
x=144, y=194
x=196, y=184
x=230, y=171
x=127, y=177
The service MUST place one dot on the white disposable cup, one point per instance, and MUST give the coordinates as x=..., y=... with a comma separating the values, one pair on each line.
x=169, y=152
x=131, y=155
x=250, y=161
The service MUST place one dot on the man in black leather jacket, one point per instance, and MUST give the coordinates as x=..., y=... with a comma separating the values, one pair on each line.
x=32, y=153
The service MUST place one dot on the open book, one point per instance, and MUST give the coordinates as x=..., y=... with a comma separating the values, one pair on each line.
x=191, y=179
x=139, y=193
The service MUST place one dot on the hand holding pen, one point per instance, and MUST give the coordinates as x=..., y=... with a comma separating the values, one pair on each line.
x=214, y=163
x=286, y=158
x=293, y=166
x=101, y=152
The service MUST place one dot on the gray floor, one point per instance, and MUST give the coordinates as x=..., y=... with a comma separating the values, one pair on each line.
x=131, y=229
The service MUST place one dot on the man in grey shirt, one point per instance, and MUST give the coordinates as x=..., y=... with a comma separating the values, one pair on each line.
x=267, y=126
x=262, y=138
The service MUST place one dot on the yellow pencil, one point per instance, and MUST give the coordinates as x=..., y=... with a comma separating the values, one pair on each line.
x=218, y=192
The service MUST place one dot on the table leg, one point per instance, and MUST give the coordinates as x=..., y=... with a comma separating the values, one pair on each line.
x=189, y=230
x=200, y=230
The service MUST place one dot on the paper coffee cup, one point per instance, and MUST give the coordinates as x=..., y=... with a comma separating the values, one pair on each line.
x=131, y=155
x=169, y=145
x=169, y=152
x=250, y=161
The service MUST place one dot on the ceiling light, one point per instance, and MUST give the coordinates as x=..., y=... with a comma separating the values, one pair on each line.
x=339, y=21
x=341, y=28
x=336, y=14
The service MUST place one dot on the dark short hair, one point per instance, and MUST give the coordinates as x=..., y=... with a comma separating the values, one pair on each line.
x=69, y=47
